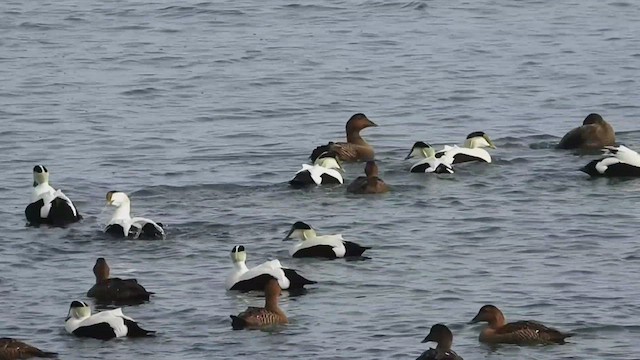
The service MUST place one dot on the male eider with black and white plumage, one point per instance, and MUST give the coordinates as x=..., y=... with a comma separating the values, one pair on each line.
x=621, y=162
x=244, y=279
x=48, y=205
x=115, y=290
x=428, y=162
x=326, y=246
x=472, y=150
x=325, y=170
x=122, y=225
x=104, y=325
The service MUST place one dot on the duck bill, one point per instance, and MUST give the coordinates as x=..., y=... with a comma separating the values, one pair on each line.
x=491, y=144
x=427, y=339
x=476, y=319
x=288, y=235
x=372, y=124
x=409, y=155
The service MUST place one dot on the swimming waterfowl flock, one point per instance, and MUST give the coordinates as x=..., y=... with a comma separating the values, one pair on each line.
x=52, y=207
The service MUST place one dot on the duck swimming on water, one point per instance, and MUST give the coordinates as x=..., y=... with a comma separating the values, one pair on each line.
x=595, y=133
x=355, y=149
x=12, y=349
x=104, y=325
x=122, y=225
x=441, y=335
x=369, y=184
x=48, y=205
x=120, y=291
x=519, y=332
x=472, y=150
x=428, y=161
x=325, y=246
x=325, y=170
x=244, y=279
x=621, y=162
x=267, y=316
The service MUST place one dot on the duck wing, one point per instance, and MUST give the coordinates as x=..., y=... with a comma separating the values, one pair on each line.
x=119, y=290
x=15, y=349
x=346, y=151
x=147, y=229
x=530, y=332
x=434, y=354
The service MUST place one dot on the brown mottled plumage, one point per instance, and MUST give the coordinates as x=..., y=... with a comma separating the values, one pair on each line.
x=595, y=133
x=121, y=291
x=11, y=349
x=370, y=184
x=519, y=332
x=269, y=315
x=355, y=149
x=440, y=334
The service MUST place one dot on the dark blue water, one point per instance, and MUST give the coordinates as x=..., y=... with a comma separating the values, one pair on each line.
x=202, y=111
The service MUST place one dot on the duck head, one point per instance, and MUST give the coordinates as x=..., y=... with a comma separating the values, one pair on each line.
x=358, y=122
x=79, y=310
x=101, y=270
x=117, y=198
x=478, y=139
x=489, y=314
x=300, y=231
x=40, y=175
x=238, y=254
x=371, y=169
x=329, y=160
x=441, y=335
x=421, y=150
x=593, y=118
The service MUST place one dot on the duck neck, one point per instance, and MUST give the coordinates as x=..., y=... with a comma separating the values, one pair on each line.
x=271, y=304
x=308, y=234
x=497, y=321
x=240, y=266
x=123, y=211
x=473, y=142
x=353, y=137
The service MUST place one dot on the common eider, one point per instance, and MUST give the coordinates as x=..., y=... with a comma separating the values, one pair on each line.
x=621, y=162
x=369, y=184
x=104, y=325
x=355, y=149
x=595, y=133
x=48, y=205
x=325, y=170
x=325, y=246
x=441, y=335
x=116, y=290
x=122, y=225
x=519, y=332
x=472, y=150
x=245, y=279
x=269, y=315
x=428, y=161
x=12, y=349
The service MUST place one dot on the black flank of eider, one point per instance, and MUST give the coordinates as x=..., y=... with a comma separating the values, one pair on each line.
x=462, y=158
x=32, y=212
x=442, y=169
x=150, y=232
x=134, y=330
x=101, y=331
x=115, y=230
x=302, y=179
x=61, y=213
x=354, y=249
x=321, y=251
x=328, y=179
x=420, y=168
x=256, y=283
x=475, y=134
x=613, y=170
x=590, y=168
x=237, y=323
x=296, y=280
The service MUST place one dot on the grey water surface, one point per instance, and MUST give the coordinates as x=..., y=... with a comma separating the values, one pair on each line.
x=202, y=110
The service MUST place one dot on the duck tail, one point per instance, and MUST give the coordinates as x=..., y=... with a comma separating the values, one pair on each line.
x=237, y=323
x=353, y=249
x=315, y=154
x=590, y=168
x=296, y=280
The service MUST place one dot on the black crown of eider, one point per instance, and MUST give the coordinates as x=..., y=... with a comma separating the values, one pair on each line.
x=299, y=225
x=421, y=145
x=237, y=249
x=77, y=304
x=476, y=134
x=40, y=169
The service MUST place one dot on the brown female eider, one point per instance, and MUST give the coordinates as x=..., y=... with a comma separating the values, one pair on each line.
x=595, y=133
x=269, y=315
x=369, y=184
x=355, y=149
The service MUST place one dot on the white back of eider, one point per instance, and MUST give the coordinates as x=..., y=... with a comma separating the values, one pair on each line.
x=433, y=163
x=273, y=268
x=335, y=241
x=602, y=165
x=316, y=171
x=626, y=155
x=451, y=151
x=112, y=317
